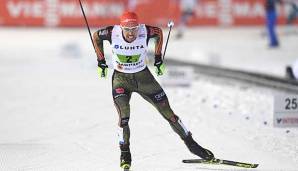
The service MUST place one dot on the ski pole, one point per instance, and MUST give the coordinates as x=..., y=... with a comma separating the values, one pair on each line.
x=170, y=25
x=82, y=9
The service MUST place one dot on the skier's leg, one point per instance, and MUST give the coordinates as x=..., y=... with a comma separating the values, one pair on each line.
x=121, y=96
x=164, y=108
x=160, y=101
x=123, y=108
x=153, y=93
x=121, y=101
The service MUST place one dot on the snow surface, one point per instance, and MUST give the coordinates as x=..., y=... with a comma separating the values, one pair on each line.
x=56, y=115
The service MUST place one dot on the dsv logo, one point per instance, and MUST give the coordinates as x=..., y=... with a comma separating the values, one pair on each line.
x=129, y=47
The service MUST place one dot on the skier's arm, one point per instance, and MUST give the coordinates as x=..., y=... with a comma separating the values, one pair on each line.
x=156, y=34
x=98, y=38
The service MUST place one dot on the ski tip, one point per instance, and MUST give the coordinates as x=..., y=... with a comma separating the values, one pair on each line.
x=193, y=160
x=184, y=161
x=247, y=165
x=254, y=165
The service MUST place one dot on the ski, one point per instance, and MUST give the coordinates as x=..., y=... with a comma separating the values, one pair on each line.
x=221, y=161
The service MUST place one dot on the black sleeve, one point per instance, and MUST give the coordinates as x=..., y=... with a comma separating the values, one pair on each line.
x=98, y=37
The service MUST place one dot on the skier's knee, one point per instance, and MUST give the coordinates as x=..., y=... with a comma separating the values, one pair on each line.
x=123, y=122
x=123, y=108
x=174, y=118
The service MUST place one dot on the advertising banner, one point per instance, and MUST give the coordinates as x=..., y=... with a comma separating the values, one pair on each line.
x=67, y=13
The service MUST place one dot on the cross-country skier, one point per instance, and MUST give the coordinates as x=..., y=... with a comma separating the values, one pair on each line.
x=129, y=42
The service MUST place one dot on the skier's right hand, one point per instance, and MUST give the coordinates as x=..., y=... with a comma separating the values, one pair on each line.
x=102, y=68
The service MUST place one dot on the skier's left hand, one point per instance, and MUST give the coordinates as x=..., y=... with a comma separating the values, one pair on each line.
x=102, y=68
x=160, y=67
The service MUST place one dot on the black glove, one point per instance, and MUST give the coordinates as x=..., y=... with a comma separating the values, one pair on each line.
x=160, y=67
x=102, y=68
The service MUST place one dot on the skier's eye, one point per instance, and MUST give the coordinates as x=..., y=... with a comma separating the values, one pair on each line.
x=130, y=29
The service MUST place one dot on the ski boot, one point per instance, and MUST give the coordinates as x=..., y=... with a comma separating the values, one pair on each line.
x=125, y=157
x=196, y=149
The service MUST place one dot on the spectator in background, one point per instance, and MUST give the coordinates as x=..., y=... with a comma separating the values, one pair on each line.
x=289, y=73
x=271, y=19
x=292, y=15
x=131, y=5
x=293, y=12
x=292, y=71
x=187, y=8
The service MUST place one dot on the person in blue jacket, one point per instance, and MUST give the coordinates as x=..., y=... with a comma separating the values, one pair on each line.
x=271, y=19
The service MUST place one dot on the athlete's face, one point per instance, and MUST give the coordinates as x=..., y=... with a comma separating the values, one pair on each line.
x=130, y=33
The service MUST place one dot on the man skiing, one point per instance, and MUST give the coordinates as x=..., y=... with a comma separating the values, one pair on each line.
x=129, y=42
